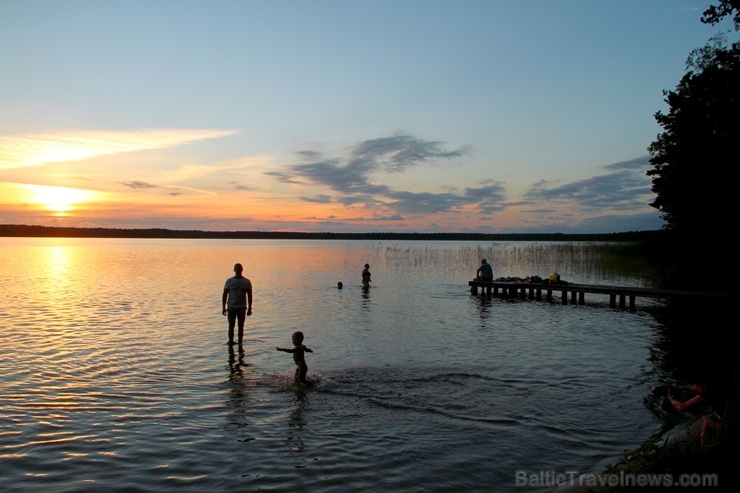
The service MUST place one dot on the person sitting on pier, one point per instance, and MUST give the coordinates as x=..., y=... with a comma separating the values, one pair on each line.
x=485, y=271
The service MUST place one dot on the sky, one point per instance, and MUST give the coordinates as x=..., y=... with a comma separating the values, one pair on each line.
x=488, y=116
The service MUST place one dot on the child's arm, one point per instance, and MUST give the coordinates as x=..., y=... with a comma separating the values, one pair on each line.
x=286, y=350
x=307, y=349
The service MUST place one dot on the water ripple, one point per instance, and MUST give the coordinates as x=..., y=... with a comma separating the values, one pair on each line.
x=128, y=385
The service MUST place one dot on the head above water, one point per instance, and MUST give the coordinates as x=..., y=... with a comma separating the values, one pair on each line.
x=238, y=268
x=483, y=261
x=367, y=266
x=297, y=338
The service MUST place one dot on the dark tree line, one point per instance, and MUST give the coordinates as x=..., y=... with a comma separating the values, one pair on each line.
x=694, y=178
x=695, y=158
x=22, y=230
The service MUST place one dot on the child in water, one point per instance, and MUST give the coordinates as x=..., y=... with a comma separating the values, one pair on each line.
x=298, y=351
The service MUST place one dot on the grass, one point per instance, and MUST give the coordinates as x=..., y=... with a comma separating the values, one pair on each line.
x=581, y=262
x=676, y=465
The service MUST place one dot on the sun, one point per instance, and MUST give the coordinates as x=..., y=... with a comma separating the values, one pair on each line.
x=59, y=200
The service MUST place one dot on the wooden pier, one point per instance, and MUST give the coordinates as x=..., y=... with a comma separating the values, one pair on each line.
x=577, y=292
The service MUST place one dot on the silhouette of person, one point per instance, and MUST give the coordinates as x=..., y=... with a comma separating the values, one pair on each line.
x=237, y=302
x=299, y=351
x=485, y=271
x=366, y=276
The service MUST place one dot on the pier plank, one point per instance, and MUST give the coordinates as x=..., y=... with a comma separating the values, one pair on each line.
x=578, y=291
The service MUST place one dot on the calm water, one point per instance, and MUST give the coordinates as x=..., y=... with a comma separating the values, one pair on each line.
x=116, y=376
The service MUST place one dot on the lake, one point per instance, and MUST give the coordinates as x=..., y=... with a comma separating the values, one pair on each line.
x=116, y=375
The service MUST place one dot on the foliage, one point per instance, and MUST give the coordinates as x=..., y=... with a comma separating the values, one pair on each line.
x=694, y=158
x=693, y=178
x=30, y=231
x=693, y=161
x=716, y=13
x=685, y=456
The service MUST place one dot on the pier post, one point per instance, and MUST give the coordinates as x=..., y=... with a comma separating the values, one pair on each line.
x=577, y=292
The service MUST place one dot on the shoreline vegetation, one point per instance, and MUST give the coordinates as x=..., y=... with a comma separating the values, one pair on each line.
x=19, y=230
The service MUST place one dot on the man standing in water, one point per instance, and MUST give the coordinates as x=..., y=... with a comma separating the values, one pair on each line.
x=237, y=302
x=366, y=276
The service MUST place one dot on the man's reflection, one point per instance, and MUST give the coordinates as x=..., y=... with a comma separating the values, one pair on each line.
x=236, y=365
x=238, y=388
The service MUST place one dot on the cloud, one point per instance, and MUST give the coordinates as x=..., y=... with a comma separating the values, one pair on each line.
x=626, y=188
x=399, y=152
x=309, y=155
x=238, y=186
x=649, y=221
x=173, y=190
x=34, y=149
x=139, y=184
x=425, y=203
x=283, y=177
x=607, y=223
x=490, y=198
x=350, y=176
x=319, y=199
x=344, y=178
x=639, y=164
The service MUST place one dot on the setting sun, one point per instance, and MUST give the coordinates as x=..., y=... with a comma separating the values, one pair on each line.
x=59, y=200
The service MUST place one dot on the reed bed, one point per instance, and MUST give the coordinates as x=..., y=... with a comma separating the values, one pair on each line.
x=575, y=261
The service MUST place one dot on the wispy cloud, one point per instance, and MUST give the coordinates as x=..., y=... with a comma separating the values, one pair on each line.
x=356, y=178
x=625, y=188
x=490, y=197
x=398, y=152
x=34, y=149
x=641, y=164
x=351, y=173
x=139, y=184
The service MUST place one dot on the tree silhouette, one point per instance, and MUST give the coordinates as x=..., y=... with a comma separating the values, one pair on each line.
x=696, y=154
x=694, y=178
x=716, y=13
x=693, y=160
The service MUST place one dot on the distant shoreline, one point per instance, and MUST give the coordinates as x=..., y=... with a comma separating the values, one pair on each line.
x=16, y=230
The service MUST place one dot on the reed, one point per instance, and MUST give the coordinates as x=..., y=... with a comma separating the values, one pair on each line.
x=574, y=261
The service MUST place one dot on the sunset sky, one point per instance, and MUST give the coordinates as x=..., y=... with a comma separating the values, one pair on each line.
x=492, y=116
